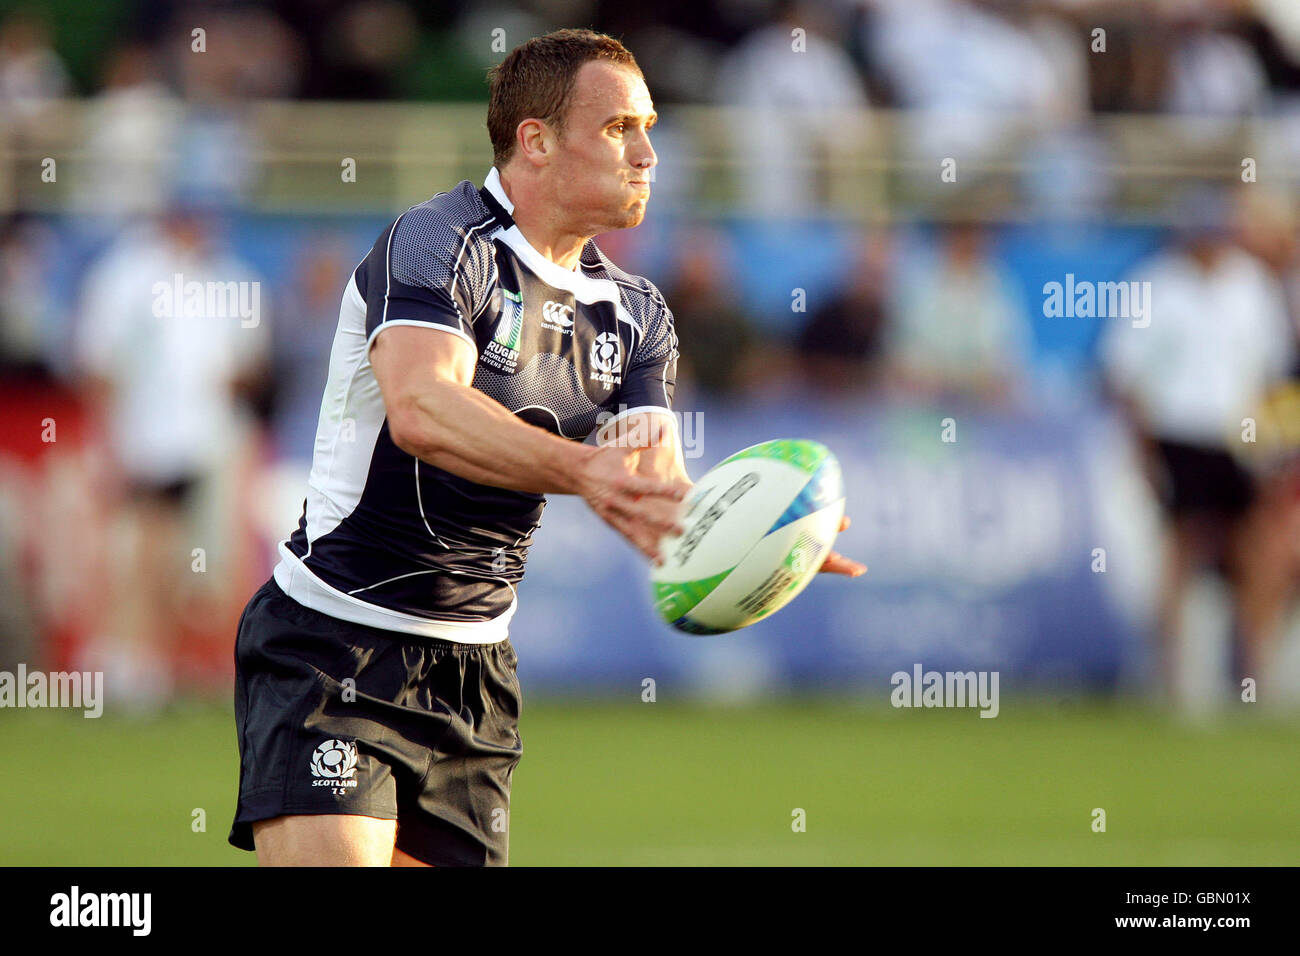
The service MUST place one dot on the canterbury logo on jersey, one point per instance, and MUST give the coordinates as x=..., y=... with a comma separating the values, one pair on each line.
x=557, y=316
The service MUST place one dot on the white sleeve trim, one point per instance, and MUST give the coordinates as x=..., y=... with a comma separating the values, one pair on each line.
x=420, y=325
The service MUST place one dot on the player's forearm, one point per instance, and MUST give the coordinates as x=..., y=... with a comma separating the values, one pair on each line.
x=461, y=430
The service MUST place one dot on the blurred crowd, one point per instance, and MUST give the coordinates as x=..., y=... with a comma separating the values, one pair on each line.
x=1196, y=56
x=178, y=426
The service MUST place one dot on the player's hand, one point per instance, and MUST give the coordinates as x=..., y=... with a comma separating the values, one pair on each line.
x=641, y=508
x=838, y=564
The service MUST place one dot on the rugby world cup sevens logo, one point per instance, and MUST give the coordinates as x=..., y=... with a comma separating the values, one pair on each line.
x=335, y=759
x=512, y=319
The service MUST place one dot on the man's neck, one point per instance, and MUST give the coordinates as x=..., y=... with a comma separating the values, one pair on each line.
x=555, y=241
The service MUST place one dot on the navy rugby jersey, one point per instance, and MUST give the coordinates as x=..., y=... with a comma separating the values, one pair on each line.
x=393, y=542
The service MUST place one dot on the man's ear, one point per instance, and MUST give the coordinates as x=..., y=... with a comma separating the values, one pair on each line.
x=535, y=140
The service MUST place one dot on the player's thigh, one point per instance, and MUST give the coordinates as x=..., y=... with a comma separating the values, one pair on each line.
x=325, y=839
x=401, y=858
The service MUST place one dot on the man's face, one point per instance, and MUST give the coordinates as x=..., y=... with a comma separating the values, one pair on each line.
x=602, y=165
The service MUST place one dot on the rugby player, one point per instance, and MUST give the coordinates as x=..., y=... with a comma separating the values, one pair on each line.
x=480, y=341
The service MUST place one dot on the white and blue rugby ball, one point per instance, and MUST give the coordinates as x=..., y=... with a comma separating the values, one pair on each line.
x=757, y=528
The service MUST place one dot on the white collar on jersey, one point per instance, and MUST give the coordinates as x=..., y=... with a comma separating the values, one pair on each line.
x=493, y=185
x=584, y=287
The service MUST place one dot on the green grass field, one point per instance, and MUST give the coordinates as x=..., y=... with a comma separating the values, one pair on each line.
x=636, y=783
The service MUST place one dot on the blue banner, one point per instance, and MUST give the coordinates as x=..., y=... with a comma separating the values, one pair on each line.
x=994, y=550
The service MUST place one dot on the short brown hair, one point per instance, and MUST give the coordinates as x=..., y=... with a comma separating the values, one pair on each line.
x=536, y=79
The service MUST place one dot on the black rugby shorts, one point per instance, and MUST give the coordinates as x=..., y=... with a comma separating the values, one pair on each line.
x=336, y=717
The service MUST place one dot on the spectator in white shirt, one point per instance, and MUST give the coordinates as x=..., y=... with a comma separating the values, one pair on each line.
x=162, y=373
x=795, y=91
x=1218, y=337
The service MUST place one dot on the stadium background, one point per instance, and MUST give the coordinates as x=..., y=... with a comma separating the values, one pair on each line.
x=829, y=281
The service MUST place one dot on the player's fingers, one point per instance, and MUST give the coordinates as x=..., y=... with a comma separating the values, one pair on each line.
x=844, y=523
x=664, y=515
x=643, y=533
x=659, y=515
x=638, y=535
x=622, y=516
x=653, y=487
x=836, y=563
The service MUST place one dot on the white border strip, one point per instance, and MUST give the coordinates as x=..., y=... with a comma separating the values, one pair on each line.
x=416, y=323
x=299, y=583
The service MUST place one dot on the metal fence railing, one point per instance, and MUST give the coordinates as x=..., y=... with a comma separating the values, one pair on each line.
x=114, y=155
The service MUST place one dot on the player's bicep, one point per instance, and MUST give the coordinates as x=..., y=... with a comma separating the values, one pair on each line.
x=409, y=363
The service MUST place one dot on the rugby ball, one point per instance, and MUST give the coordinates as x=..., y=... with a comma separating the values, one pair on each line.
x=756, y=529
